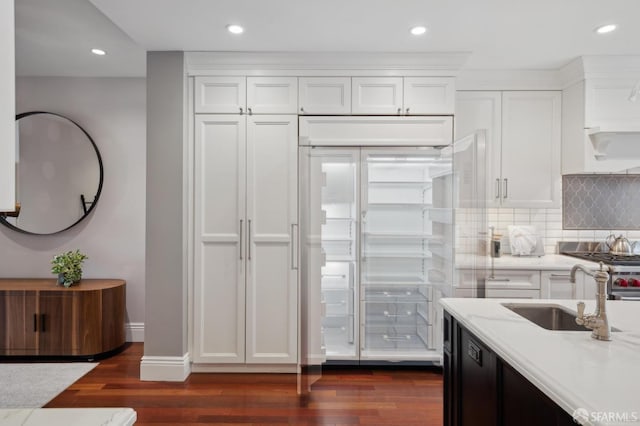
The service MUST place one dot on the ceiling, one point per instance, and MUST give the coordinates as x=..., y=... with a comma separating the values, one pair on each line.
x=54, y=37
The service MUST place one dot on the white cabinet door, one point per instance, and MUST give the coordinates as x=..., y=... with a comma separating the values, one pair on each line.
x=531, y=137
x=477, y=111
x=272, y=218
x=220, y=95
x=324, y=95
x=556, y=285
x=272, y=95
x=429, y=95
x=219, y=269
x=376, y=95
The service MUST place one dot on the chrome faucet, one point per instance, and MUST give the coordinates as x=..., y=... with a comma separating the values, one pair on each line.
x=597, y=321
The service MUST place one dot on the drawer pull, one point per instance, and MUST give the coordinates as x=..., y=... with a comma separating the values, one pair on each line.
x=499, y=279
x=475, y=353
x=561, y=275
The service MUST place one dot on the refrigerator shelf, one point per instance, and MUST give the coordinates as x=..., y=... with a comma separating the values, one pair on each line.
x=392, y=203
x=399, y=255
x=441, y=215
x=404, y=235
x=420, y=183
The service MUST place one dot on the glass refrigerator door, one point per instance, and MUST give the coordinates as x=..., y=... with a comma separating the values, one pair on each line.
x=406, y=250
x=332, y=210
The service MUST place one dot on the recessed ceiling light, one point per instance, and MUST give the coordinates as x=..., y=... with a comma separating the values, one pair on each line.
x=98, y=52
x=606, y=28
x=235, y=29
x=418, y=30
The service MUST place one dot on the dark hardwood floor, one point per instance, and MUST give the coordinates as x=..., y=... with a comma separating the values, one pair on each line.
x=344, y=396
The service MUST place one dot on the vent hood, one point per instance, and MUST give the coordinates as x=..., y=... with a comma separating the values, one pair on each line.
x=600, y=115
x=604, y=138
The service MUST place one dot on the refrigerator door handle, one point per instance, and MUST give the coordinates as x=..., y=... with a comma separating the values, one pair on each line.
x=241, y=226
x=249, y=239
x=294, y=247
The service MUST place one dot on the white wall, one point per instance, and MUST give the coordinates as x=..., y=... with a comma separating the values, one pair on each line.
x=113, y=112
x=7, y=112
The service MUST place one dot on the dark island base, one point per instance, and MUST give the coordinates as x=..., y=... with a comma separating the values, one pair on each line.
x=64, y=358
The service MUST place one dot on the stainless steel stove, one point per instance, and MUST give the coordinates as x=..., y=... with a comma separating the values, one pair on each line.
x=624, y=271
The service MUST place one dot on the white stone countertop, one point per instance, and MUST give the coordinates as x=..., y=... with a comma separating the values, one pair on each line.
x=67, y=417
x=548, y=262
x=570, y=367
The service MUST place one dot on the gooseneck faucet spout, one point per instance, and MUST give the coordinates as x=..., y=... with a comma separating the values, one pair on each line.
x=597, y=321
x=575, y=268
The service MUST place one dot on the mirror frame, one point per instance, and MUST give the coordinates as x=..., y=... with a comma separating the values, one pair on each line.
x=95, y=200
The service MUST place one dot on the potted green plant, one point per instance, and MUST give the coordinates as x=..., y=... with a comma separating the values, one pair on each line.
x=68, y=266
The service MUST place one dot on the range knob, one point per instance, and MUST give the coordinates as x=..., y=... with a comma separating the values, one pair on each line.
x=621, y=282
x=634, y=282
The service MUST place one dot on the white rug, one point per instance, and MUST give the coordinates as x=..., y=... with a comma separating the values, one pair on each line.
x=33, y=385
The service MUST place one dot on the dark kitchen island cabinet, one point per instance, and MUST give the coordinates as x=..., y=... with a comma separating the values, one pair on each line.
x=481, y=389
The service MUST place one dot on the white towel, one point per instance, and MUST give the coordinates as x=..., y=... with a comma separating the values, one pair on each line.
x=523, y=239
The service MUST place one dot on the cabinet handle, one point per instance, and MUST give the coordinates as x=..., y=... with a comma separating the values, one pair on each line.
x=241, y=111
x=241, y=223
x=399, y=111
x=302, y=109
x=506, y=182
x=561, y=275
x=250, y=112
x=407, y=110
x=474, y=352
x=249, y=240
x=499, y=279
x=43, y=323
x=35, y=322
x=497, y=188
x=294, y=251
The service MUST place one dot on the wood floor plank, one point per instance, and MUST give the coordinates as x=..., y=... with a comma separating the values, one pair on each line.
x=343, y=396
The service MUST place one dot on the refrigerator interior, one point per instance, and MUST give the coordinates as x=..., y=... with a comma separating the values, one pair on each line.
x=381, y=222
x=407, y=251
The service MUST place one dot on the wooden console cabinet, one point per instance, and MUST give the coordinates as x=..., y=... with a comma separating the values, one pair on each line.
x=40, y=318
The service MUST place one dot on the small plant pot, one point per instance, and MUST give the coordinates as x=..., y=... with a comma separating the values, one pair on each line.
x=61, y=280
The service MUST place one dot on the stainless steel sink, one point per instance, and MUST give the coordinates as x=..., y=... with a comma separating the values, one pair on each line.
x=551, y=317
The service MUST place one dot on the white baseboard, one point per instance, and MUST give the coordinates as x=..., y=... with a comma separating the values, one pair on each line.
x=244, y=368
x=165, y=368
x=134, y=332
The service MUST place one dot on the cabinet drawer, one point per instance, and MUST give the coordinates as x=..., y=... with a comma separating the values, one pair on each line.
x=512, y=279
x=220, y=95
x=507, y=293
x=324, y=95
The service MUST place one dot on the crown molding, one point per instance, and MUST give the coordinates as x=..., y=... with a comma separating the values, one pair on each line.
x=325, y=63
x=508, y=80
x=601, y=67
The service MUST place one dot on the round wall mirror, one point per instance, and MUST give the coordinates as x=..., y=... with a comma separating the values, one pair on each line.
x=58, y=174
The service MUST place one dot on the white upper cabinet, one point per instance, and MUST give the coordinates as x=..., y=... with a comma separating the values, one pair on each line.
x=376, y=95
x=531, y=147
x=523, y=144
x=429, y=95
x=220, y=95
x=324, y=95
x=403, y=95
x=272, y=95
